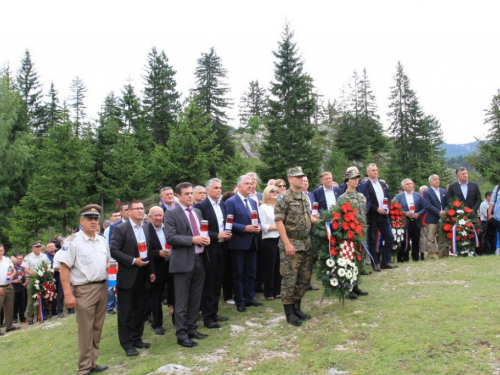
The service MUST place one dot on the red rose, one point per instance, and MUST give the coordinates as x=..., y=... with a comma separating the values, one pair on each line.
x=471, y=236
x=447, y=227
x=454, y=219
x=345, y=225
x=333, y=251
x=358, y=229
x=358, y=257
x=355, y=212
x=335, y=225
x=393, y=224
x=333, y=241
x=467, y=224
x=348, y=217
x=451, y=212
x=352, y=225
x=458, y=238
x=456, y=204
x=336, y=215
x=393, y=217
x=466, y=218
x=447, y=219
x=467, y=210
x=449, y=235
x=350, y=235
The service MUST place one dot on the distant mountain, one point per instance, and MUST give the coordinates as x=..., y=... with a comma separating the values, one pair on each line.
x=464, y=149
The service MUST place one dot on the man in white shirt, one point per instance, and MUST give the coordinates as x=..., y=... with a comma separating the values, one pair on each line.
x=7, y=271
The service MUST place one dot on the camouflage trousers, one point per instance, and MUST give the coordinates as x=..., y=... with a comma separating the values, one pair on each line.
x=296, y=274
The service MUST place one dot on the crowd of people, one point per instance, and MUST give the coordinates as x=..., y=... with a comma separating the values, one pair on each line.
x=199, y=244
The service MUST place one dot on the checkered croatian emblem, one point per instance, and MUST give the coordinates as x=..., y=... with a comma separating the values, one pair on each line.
x=347, y=250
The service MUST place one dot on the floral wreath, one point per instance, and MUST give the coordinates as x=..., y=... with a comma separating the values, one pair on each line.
x=41, y=285
x=460, y=228
x=338, y=237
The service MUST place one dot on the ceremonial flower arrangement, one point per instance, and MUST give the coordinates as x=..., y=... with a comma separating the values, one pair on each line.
x=42, y=287
x=338, y=236
x=459, y=225
x=398, y=222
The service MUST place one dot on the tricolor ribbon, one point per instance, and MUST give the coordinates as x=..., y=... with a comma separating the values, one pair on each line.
x=454, y=245
x=328, y=230
x=368, y=252
x=41, y=309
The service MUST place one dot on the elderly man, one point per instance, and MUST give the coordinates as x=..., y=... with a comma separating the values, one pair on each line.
x=30, y=264
x=435, y=199
x=7, y=271
x=199, y=193
x=84, y=276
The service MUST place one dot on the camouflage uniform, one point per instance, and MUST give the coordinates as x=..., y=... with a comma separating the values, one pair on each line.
x=294, y=211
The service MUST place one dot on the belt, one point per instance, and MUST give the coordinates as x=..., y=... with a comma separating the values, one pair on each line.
x=95, y=282
x=198, y=255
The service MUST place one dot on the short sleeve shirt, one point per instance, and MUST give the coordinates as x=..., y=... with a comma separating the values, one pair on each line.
x=32, y=262
x=294, y=211
x=86, y=258
x=5, y=263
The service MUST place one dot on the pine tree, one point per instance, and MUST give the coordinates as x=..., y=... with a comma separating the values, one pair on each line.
x=253, y=103
x=130, y=105
x=30, y=89
x=161, y=99
x=211, y=95
x=416, y=138
x=77, y=97
x=487, y=159
x=291, y=106
x=53, y=111
x=15, y=151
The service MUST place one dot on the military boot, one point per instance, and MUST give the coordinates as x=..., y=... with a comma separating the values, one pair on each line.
x=290, y=316
x=300, y=314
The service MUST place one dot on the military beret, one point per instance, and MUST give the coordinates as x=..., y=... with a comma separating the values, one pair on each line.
x=90, y=210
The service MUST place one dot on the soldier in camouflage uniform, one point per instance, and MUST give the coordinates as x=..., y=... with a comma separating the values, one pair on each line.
x=293, y=218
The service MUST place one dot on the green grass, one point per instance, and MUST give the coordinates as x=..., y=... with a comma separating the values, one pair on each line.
x=432, y=317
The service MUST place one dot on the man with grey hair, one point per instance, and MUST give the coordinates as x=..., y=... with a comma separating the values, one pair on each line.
x=244, y=243
x=413, y=209
x=214, y=211
x=167, y=198
x=435, y=199
x=199, y=193
x=254, y=194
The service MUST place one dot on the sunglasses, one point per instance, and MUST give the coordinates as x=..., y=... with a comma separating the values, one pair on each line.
x=281, y=185
x=273, y=191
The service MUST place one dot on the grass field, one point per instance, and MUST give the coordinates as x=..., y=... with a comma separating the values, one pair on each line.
x=432, y=317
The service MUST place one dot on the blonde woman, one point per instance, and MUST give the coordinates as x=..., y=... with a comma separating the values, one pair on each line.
x=270, y=238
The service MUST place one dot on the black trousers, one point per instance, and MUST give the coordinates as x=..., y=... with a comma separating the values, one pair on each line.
x=412, y=233
x=270, y=255
x=227, y=283
x=213, y=279
x=131, y=311
x=20, y=305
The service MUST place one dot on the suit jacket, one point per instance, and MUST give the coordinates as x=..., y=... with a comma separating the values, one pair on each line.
x=473, y=200
x=208, y=213
x=112, y=227
x=240, y=239
x=312, y=198
x=124, y=249
x=178, y=233
x=159, y=262
x=419, y=207
x=433, y=206
x=319, y=195
x=372, y=211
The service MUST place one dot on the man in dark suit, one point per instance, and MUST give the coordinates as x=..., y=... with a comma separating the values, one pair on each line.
x=378, y=220
x=434, y=200
x=160, y=258
x=187, y=263
x=465, y=190
x=133, y=272
x=125, y=214
x=326, y=195
x=167, y=198
x=214, y=211
x=243, y=243
x=413, y=209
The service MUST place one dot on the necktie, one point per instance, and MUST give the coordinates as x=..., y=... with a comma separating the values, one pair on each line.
x=192, y=220
x=246, y=204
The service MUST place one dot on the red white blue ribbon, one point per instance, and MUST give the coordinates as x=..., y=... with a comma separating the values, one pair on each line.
x=41, y=309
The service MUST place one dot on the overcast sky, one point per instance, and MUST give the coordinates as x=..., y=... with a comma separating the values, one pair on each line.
x=449, y=49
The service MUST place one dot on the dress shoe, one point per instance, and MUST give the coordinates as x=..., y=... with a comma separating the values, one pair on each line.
x=359, y=292
x=187, y=343
x=13, y=328
x=131, y=352
x=111, y=312
x=71, y=311
x=30, y=322
x=60, y=315
x=159, y=331
x=197, y=335
x=352, y=295
x=221, y=318
x=253, y=303
x=312, y=288
x=1, y=333
x=376, y=268
x=97, y=368
x=365, y=273
x=387, y=266
x=211, y=325
x=14, y=321
x=142, y=345
x=241, y=309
